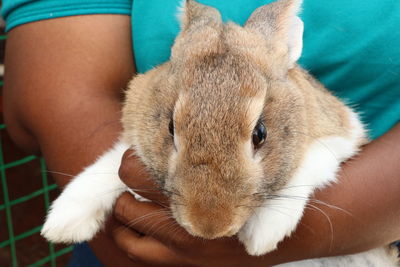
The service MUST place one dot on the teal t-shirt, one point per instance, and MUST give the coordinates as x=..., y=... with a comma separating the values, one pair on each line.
x=350, y=46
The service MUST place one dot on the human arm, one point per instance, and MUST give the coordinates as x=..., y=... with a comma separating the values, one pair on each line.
x=63, y=83
x=367, y=197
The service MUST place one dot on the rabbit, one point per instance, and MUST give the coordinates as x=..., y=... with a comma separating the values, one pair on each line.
x=233, y=125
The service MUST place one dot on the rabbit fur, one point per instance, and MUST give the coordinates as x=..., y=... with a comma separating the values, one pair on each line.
x=220, y=82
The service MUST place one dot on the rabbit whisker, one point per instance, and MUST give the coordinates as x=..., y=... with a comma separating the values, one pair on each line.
x=147, y=216
x=328, y=219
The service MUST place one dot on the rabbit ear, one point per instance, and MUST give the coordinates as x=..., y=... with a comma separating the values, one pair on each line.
x=194, y=13
x=200, y=34
x=279, y=23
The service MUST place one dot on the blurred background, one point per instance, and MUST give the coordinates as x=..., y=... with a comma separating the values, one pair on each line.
x=25, y=193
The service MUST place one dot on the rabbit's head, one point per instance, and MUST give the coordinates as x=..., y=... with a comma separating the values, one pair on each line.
x=215, y=125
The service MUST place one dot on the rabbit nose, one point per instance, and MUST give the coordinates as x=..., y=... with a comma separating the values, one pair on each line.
x=210, y=223
x=211, y=229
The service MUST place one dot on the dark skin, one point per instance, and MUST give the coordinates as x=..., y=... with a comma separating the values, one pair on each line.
x=63, y=100
x=63, y=84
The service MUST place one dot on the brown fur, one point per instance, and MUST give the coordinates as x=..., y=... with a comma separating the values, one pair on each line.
x=220, y=80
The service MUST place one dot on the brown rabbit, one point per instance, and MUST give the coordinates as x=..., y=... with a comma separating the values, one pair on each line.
x=234, y=128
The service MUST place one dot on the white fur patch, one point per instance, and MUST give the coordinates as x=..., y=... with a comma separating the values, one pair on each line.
x=279, y=217
x=378, y=257
x=81, y=209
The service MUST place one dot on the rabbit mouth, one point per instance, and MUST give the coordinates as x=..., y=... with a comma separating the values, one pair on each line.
x=206, y=222
x=209, y=231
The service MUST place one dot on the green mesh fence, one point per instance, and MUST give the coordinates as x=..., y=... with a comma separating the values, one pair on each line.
x=8, y=203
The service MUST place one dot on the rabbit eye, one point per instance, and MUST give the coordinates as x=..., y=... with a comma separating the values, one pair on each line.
x=171, y=127
x=259, y=135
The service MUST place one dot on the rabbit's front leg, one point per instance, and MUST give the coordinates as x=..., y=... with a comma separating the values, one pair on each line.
x=271, y=223
x=81, y=209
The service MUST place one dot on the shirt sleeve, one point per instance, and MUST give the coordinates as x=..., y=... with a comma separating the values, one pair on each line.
x=17, y=12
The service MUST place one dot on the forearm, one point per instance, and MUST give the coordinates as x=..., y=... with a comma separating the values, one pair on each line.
x=62, y=94
x=367, y=200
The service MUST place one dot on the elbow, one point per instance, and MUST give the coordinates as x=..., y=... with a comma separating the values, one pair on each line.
x=16, y=128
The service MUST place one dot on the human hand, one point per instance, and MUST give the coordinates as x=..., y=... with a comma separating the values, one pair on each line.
x=149, y=234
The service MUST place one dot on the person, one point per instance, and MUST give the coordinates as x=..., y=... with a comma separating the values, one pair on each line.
x=65, y=71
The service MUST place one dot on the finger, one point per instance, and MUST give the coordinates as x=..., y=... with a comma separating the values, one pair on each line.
x=113, y=227
x=151, y=220
x=145, y=249
x=133, y=173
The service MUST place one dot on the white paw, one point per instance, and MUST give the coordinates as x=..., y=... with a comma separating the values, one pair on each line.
x=71, y=221
x=258, y=240
x=269, y=226
x=81, y=209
